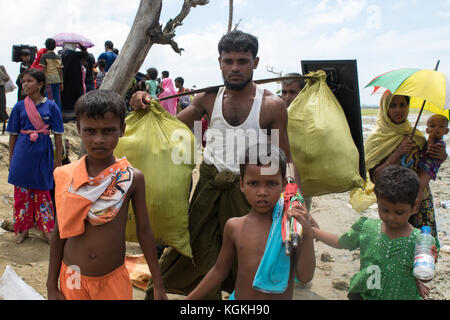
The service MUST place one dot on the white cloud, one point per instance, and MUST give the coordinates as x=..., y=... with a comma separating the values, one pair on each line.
x=444, y=14
x=340, y=12
x=329, y=29
x=412, y=43
x=197, y=64
x=32, y=22
x=322, y=6
x=341, y=41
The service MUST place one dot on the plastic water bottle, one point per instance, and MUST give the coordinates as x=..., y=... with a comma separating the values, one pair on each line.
x=424, y=259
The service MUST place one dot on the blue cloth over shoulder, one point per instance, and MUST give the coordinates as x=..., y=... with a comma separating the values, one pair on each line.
x=275, y=266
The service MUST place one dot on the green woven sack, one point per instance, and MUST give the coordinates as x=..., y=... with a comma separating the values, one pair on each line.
x=153, y=140
x=320, y=140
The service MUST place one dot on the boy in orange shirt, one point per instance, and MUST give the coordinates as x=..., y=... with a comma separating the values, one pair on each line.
x=87, y=251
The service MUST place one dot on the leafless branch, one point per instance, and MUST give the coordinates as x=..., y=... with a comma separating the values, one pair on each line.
x=272, y=70
x=237, y=24
x=160, y=36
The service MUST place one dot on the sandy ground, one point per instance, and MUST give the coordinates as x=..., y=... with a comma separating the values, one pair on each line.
x=334, y=267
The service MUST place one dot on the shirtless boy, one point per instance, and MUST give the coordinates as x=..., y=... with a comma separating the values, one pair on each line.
x=87, y=251
x=247, y=236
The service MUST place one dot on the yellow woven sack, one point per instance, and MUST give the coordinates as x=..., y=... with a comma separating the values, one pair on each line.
x=320, y=140
x=363, y=197
x=161, y=147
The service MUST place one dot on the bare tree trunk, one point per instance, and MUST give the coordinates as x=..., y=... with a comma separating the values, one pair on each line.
x=135, y=49
x=230, y=15
x=146, y=31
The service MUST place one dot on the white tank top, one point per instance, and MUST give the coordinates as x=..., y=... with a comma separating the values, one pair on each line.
x=226, y=144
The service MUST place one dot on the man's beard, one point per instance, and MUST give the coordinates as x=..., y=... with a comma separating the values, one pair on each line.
x=237, y=86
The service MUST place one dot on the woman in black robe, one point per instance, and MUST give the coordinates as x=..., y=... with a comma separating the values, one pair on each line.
x=73, y=81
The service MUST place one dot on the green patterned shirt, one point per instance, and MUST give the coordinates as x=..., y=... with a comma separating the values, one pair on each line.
x=386, y=265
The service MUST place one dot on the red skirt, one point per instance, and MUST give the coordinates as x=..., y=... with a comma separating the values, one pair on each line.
x=32, y=208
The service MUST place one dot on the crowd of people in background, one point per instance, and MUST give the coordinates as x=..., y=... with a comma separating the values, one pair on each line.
x=70, y=73
x=49, y=85
x=73, y=71
x=162, y=87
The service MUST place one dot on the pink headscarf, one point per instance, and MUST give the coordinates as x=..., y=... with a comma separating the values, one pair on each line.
x=37, y=61
x=169, y=90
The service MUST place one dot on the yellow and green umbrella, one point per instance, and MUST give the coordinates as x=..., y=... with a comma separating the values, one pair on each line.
x=428, y=89
x=421, y=85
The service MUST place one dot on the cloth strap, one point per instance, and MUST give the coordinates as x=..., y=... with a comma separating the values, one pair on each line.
x=274, y=269
x=35, y=119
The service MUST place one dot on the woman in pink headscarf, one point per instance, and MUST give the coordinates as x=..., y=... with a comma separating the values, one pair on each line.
x=169, y=90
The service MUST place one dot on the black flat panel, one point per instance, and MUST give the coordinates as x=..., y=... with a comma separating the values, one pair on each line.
x=342, y=78
x=16, y=52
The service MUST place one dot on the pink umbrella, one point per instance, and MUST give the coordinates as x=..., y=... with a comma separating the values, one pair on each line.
x=60, y=38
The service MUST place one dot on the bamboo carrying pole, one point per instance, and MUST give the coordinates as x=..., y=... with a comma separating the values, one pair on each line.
x=215, y=88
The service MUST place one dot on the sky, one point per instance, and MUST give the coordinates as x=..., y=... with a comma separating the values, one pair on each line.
x=381, y=35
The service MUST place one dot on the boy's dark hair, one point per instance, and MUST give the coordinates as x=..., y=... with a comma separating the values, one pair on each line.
x=50, y=44
x=165, y=74
x=397, y=184
x=38, y=75
x=95, y=104
x=101, y=63
x=180, y=80
x=152, y=73
x=264, y=152
x=238, y=41
x=109, y=44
